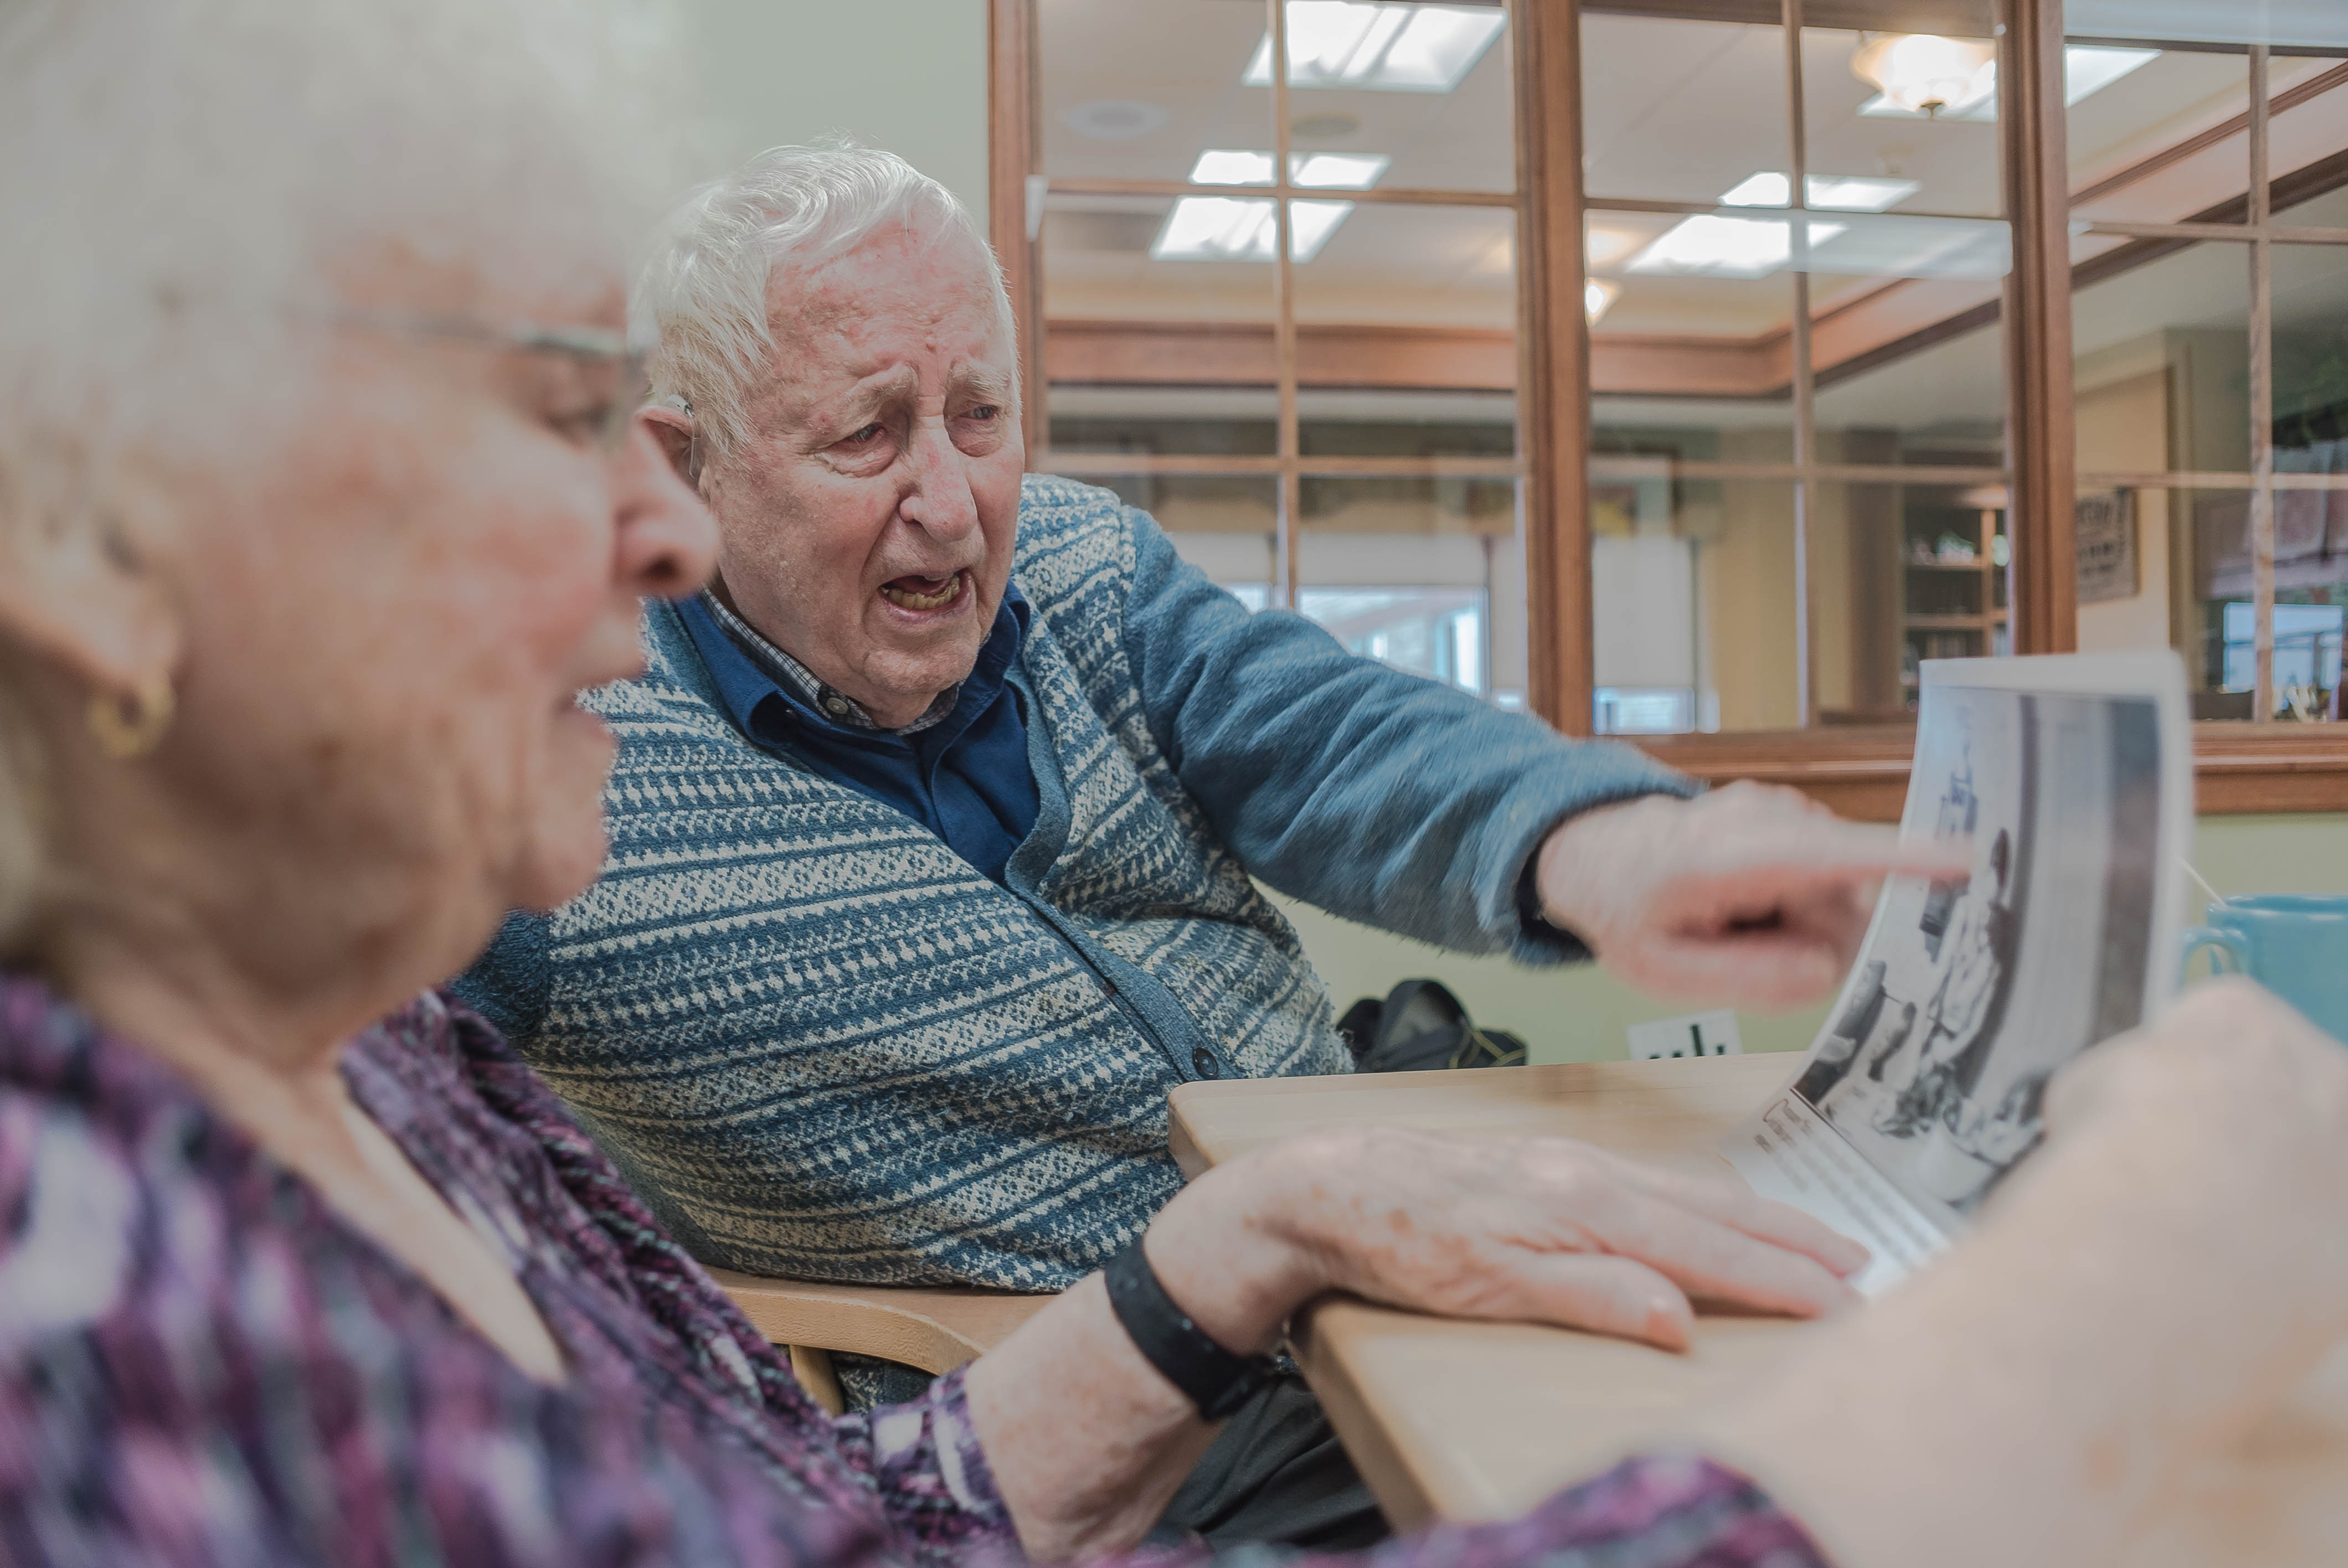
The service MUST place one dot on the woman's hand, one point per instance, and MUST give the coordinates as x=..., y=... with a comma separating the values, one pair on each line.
x=1545, y=1230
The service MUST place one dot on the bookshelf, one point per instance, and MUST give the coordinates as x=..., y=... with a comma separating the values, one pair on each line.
x=1952, y=588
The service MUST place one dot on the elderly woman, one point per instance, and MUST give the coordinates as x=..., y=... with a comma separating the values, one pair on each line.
x=318, y=504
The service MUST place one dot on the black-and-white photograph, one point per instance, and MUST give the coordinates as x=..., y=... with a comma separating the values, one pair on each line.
x=1971, y=993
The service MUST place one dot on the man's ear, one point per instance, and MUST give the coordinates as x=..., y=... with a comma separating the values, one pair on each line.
x=673, y=429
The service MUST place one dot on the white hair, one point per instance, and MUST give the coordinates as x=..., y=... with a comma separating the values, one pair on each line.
x=184, y=183
x=704, y=289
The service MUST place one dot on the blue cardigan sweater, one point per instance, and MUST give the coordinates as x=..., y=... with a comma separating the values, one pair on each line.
x=824, y=1046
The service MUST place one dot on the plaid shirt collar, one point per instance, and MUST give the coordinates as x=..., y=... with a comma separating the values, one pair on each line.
x=785, y=670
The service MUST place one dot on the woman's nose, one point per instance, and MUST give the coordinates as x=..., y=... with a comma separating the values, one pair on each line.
x=666, y=539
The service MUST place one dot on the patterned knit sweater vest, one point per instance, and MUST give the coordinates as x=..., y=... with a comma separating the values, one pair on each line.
x=827, y=1048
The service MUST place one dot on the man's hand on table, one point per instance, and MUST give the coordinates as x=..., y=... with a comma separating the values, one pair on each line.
x=1752, y=894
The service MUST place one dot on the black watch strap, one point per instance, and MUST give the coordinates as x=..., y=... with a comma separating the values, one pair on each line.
x=1217, y=1381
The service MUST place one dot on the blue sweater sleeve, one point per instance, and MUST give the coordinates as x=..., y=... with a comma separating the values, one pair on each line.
x=508, y=984
x=1379, y=795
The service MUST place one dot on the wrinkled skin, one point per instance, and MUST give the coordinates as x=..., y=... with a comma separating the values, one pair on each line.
x=866, y=523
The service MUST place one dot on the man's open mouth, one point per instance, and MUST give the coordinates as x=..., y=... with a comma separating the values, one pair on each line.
x=925, y=593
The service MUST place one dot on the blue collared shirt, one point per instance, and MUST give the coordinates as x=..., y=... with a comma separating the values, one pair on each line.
x=964, y=775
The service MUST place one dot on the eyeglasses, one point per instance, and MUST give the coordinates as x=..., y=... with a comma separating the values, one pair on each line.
x=626, y=386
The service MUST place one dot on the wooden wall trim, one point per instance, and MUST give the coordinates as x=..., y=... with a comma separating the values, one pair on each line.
x=1242, y=353
x=1554, y=359
x=2239, y=769
x=1011, y=143
x=2040, y=412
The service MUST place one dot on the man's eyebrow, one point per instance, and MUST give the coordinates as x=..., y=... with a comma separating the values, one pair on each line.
x=890, y=386
x=983, y=379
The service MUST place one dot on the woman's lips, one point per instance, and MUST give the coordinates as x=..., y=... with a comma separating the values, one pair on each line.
x=925, y=593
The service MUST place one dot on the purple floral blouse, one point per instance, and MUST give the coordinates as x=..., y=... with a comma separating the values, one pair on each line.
x=201, y=1364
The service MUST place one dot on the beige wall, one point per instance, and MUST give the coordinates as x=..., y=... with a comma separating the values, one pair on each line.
x=2127, y=420
x=1580, y=1014
x=1745, y=589
x=906, y=74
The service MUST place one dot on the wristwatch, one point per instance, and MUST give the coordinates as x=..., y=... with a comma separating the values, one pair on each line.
x=1215, y=1380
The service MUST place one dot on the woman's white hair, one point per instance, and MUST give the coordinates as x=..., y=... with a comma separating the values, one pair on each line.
x=704, y=289
x=184, y=184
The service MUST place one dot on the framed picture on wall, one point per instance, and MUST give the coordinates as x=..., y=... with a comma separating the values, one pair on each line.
x=2107, y=536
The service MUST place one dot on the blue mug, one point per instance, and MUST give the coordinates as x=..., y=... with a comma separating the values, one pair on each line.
x=2295, y=943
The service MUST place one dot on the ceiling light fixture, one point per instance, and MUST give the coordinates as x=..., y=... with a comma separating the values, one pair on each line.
x=1596, y=296
x=1923, y=73
x=1709, y=246
x=1840, y=193
x=1384, y=47
x=1243, y=229
x=2087, y=69
x=1313, y=170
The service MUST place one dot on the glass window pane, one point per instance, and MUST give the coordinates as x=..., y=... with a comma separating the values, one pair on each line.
x=2165, y=143
x=1679, y=111
x=1425, y=91
x=1689, y=368
x=1639, y=440
x=1692, y=605
x=1138, y=89
x=2309, y=128
x=1940, y=402
x=1405, y=349
x=1405, y=572
x=1901, y=573
x=2216, y=629
x=1219, y=421
x=2162, y=371
x=2316, y=23
x=1951, y=562
x=2311, y=459
x=1333, y=421
x=1149, y=354
x=1869, y=150
x=2183, y=311
x=1223, y=525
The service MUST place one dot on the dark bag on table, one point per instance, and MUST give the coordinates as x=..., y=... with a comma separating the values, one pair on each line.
x=1421, y=1025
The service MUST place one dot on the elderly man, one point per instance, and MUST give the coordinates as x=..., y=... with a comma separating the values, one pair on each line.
x=938, y=818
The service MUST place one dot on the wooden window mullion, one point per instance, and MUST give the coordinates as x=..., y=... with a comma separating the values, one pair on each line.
x=1553, y=360
x=2041, y=454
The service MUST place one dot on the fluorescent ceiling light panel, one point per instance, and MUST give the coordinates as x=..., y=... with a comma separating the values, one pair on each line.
x=1314, y=170
x=1336, y=170
x=1225, y=165
x=1243, y=229
x=1597, y=296
x=1384, y=47
x=2087, y=69
x=1711, y=246
x=1842, y=192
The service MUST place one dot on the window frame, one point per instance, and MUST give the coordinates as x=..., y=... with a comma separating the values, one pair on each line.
x=2261, y=765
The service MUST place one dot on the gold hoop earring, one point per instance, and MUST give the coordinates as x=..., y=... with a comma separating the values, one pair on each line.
x=129, y=727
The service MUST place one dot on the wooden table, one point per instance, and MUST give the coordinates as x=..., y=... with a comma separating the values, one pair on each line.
x=1481, y=1420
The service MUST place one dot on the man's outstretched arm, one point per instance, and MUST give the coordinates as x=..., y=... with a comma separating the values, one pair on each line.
x=1405, y=803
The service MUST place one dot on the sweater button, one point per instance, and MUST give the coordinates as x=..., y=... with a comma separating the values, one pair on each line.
x=1203, y=1063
